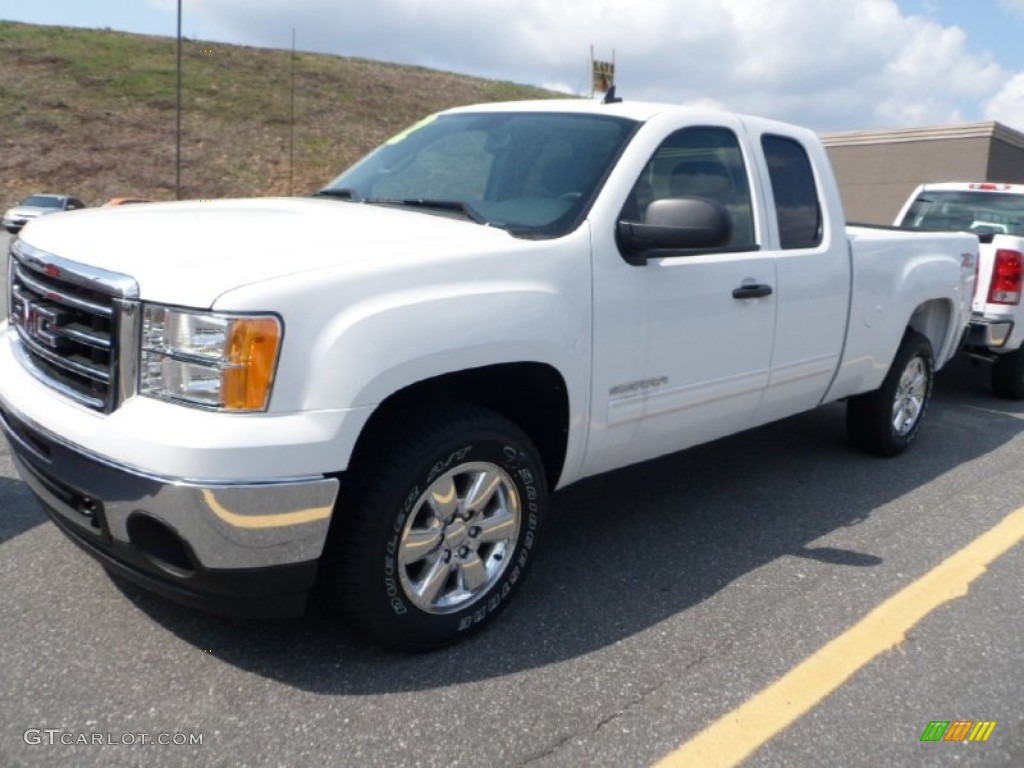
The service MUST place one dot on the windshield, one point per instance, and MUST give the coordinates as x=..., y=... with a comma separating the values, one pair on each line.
x=533, y=174
x=984, y=213
x=42, y=201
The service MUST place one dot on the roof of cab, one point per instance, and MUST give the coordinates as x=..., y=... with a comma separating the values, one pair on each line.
x=641, y=111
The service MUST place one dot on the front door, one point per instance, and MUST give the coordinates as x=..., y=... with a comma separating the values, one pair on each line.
x=685, y=341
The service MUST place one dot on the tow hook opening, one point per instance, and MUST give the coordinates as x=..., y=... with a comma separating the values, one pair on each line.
x=161, y=545
x=89, y=508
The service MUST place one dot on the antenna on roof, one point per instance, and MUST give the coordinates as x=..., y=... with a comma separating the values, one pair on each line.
x=602, y=78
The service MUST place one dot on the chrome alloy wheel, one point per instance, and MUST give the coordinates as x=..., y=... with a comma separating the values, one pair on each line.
x=911, y=394
x=459, y=537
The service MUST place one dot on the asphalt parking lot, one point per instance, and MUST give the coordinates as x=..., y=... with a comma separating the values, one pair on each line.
x=665, y=596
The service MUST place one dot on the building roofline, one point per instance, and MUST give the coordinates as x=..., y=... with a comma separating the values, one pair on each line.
x=982, y=130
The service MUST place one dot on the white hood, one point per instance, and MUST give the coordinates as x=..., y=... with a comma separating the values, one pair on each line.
x=192, y=252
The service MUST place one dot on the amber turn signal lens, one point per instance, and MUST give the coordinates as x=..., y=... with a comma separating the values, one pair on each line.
x=252, y=359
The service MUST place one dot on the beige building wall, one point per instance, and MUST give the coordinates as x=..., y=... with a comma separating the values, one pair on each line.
x=877, y=170
x=1006, y=162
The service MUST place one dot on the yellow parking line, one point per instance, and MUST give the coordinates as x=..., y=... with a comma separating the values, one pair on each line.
x=739, y=733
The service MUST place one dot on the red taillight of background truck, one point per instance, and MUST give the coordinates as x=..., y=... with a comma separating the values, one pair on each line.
x=1006, y=278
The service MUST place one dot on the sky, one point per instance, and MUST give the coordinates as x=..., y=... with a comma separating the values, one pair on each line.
x=832, y=65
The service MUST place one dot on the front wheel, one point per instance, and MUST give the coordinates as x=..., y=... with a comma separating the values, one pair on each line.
x=439, y=530
x=885, y=422
x=1008, y=375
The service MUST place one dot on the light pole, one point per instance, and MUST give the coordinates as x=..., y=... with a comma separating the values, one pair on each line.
x=291, y=128
x=177, y=132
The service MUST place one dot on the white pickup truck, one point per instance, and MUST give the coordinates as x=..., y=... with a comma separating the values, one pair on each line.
x=377, y=388
x=995, y=213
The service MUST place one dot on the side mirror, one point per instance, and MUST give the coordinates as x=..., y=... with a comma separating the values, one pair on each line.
x=676, y=223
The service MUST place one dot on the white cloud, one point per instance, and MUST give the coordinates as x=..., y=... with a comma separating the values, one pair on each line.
x=831, y=66
x=1008, y=105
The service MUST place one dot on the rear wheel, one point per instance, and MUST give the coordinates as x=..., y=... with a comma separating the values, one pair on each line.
x=885, y=422
x=1008, y=375
x=439, y=529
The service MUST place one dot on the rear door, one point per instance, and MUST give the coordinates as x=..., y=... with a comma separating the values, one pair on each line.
x=807, y=237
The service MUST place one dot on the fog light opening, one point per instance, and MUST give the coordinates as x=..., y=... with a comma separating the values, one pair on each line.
x=161, y=545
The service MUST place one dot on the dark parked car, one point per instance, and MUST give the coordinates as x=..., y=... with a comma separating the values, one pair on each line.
x=38, y=205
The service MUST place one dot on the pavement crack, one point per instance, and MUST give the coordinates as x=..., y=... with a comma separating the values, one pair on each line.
x=637, y=700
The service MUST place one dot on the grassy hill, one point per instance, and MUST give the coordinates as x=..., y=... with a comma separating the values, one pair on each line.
x=92, y=113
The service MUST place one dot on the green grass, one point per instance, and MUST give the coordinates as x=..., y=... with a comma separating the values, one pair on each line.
x=92, y=112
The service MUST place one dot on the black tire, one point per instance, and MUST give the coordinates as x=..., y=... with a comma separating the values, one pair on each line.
x=885, y=422
x=1008, y=375
x=417, y=575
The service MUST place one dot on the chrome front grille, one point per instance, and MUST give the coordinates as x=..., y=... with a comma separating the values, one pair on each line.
x=70, y=320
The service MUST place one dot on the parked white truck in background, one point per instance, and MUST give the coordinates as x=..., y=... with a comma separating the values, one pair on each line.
x=995, y=213
x=378, y=387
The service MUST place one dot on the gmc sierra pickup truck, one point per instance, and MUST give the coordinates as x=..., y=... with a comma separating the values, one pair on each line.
x=376, y=389
x=995, y=213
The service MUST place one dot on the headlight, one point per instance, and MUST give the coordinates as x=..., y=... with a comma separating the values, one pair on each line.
x=208, y=359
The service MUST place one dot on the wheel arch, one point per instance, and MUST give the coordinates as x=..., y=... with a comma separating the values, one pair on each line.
x=532, y=395
x=933, y=320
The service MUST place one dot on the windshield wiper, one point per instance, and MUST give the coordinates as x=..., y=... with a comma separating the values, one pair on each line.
x=342, y=192
x=457, y=206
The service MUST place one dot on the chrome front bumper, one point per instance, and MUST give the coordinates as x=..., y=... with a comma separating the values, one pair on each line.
x=231, y=543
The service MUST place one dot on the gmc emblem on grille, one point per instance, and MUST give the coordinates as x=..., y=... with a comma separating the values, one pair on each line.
x=40, y=322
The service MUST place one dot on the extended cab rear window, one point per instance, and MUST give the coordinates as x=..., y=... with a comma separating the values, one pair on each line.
x=797, y=206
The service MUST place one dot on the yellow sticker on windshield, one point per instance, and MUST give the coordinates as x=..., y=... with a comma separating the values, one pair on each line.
x=410, y=130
